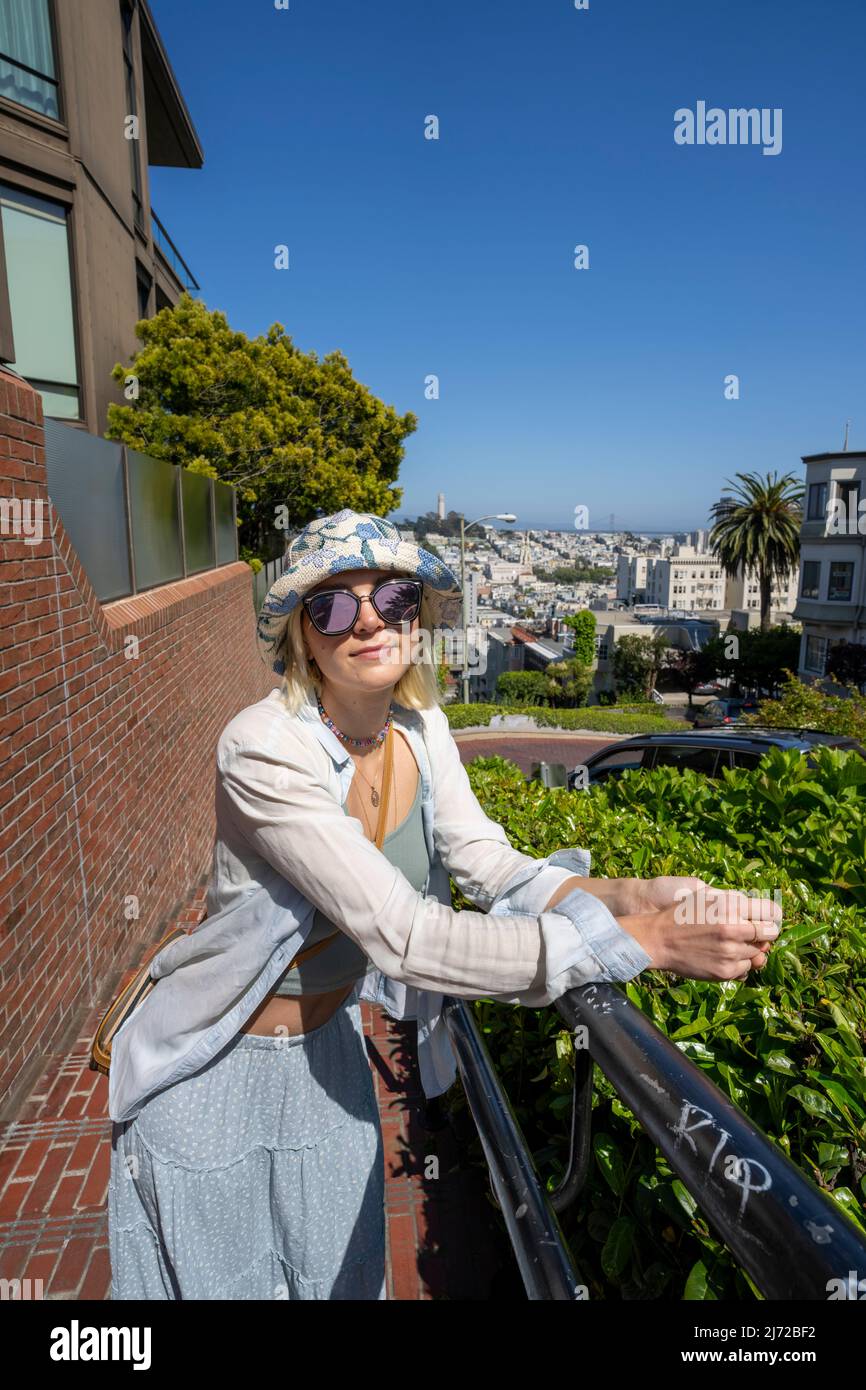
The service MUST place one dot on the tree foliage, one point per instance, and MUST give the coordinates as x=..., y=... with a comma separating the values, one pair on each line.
x=753, y=661
x=846, y=663
x=758, y=528
x=582, y=624
x=294, y=434
x=839, y=710
x=637, y=662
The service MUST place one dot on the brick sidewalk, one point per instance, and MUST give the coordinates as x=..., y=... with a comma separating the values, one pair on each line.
x=55, y=1158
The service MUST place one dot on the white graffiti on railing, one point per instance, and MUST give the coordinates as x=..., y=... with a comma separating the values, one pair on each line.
x=737, y=1170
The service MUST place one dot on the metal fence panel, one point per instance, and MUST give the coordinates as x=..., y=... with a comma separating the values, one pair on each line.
x=226, y=530
x=197, y=522
x=85, y=483
x=153, y=496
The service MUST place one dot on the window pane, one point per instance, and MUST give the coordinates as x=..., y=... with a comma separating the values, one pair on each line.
x=25, y=37
x=841, y=574
x=746, y=759
x=60, y=402
x=40, y=289
x=701, y=759
x=811, y=579
x=816, y=654
x=817, y=501
x=619, y=761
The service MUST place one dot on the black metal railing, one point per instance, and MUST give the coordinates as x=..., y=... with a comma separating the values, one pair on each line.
x=170, y=254
x=789, y=1236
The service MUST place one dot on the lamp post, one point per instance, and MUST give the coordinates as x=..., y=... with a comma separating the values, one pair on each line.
x=498, y=516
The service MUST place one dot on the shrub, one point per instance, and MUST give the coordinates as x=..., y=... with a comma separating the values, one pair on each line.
x=842, y=710
x=786, y=1044
x=625, y=719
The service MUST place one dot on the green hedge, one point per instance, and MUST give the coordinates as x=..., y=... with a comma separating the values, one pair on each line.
x=786, y=1044
x=619, y=719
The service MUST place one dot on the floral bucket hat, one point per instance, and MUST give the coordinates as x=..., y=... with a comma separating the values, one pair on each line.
x=349, y=540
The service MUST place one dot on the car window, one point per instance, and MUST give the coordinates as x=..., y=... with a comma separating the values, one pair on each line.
x=616, y=761
x=743, y=759
x=700, y=759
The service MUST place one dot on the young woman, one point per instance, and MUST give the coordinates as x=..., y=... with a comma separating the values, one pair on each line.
x=247, y=1156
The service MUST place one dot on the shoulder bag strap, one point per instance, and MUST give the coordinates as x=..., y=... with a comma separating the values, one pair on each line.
x=380, y=836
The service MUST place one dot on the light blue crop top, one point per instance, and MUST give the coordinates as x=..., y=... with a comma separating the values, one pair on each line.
x=341, y=961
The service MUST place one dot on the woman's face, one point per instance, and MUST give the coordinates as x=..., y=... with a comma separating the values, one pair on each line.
x=340, y=659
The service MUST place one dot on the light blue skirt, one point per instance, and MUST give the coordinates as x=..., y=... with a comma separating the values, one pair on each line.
x=262, y=1176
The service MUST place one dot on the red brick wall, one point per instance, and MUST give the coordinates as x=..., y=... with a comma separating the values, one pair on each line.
x=106, y=757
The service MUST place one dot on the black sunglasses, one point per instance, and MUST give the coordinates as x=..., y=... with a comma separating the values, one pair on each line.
x=335, y=611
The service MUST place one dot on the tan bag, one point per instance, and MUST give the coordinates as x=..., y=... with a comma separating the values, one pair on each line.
x=139, y=987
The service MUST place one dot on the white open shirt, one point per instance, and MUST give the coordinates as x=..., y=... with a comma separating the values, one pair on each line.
x=284, y=847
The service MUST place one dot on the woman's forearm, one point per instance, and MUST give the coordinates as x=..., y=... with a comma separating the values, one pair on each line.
x=617, y=894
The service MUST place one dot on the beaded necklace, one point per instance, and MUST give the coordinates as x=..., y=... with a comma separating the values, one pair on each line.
x=373, y=742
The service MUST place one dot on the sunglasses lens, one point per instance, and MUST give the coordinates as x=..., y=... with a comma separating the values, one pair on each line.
x=332, y=613
x=398, y=601
x=336, y=612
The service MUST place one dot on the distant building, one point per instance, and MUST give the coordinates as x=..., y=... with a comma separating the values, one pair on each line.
x=684, y=580
x=832, y=598
x=744, y=592
x=631, y=577
x=83, y=255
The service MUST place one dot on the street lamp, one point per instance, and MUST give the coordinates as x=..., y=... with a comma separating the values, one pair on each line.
x=498, y=516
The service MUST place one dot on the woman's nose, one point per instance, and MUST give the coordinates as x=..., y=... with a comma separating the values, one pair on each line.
x=368, y=618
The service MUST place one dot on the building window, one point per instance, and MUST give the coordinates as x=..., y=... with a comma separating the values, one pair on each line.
x=848, y=493
x=815, y=655
x=27, y=68
x=36, y=246
x=841, y=579
x=126, y=14
x=817, y=502
x=847, y=488
x=811, y=580
x=144, y=282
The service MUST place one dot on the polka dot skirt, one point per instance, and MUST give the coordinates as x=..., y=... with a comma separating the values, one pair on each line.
x=259, y=1177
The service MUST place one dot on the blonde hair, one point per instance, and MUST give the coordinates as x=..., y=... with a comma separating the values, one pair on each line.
x=417, y=688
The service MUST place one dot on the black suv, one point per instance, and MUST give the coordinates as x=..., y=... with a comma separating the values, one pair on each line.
x=705, y=751
x=721, y=712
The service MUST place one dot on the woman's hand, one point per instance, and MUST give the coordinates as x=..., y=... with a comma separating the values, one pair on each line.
x=658, y=894
x=710, y=934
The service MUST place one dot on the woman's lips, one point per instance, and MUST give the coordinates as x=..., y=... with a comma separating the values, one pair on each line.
x=369, y=653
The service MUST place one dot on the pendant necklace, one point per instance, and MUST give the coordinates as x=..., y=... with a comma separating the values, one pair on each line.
x=376, y=741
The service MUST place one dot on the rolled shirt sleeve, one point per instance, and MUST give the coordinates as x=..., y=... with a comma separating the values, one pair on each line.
x=280, y=805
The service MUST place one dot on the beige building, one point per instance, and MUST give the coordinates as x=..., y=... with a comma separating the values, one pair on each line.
x=744, y=593
x=686, y=580
x=695, y=581
x=83, y=255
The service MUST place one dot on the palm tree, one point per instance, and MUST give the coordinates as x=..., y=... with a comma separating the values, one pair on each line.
x=758, y=528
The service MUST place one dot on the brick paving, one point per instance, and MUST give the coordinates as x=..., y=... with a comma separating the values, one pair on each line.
x=526, y=749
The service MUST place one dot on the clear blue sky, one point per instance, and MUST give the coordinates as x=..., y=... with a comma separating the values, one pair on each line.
x=602, y=387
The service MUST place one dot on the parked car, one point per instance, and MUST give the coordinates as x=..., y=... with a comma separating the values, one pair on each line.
x=722, y=711
x=706, y=752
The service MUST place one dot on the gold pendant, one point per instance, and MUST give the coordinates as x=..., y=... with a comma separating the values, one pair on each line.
x=374, y=797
